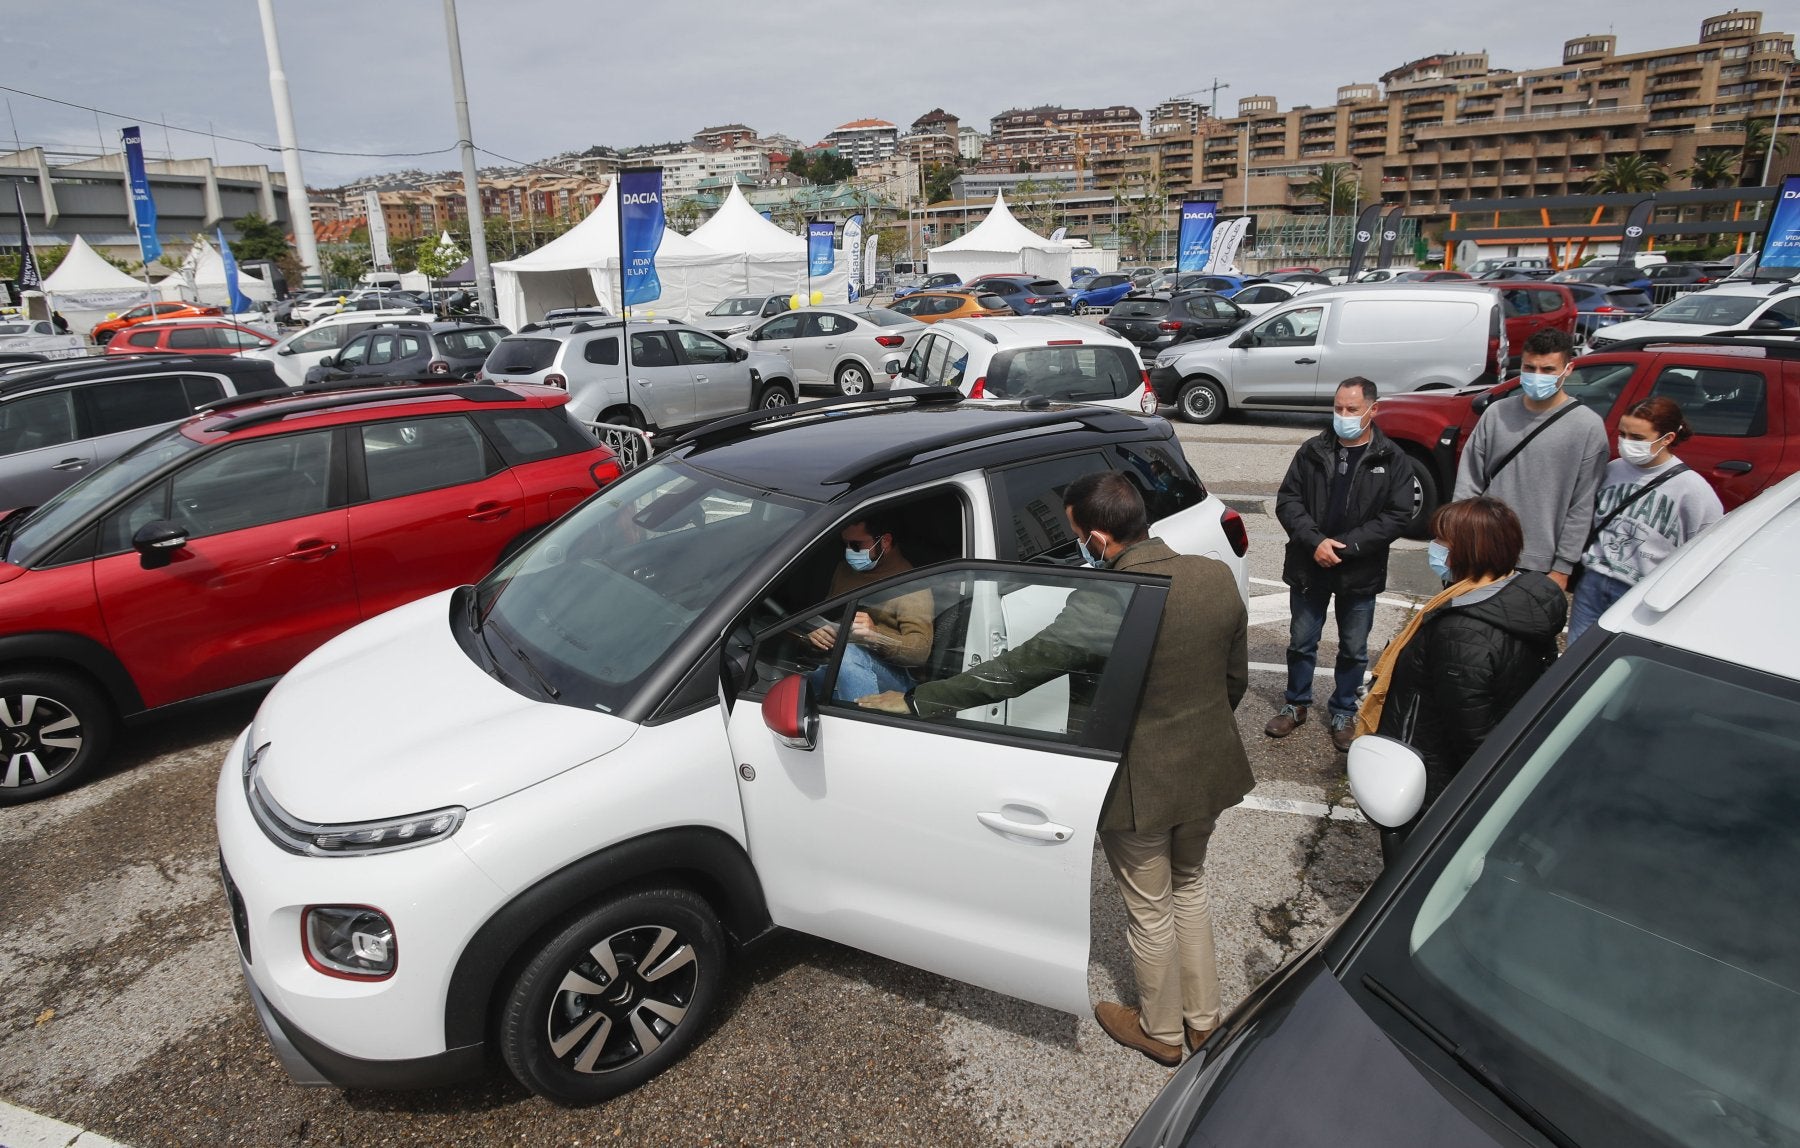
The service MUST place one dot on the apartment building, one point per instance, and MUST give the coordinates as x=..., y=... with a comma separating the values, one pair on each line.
x=932, y=139
x=1055, y=139
x=1177, y=115
x=863, y=141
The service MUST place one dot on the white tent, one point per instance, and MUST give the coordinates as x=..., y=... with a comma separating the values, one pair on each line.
x=770, y=260
x=86, y=288
x=1000, y=244
x=209, y=278
x=580, y=269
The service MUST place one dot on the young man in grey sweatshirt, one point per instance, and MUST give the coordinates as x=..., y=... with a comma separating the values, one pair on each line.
x=1550, y=484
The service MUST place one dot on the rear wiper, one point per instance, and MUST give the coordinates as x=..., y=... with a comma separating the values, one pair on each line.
x=1472, y=1066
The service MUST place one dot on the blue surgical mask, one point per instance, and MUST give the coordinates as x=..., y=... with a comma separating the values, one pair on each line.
x=1088, y=556
x=1437, y=556
x=1539, y=387
x=861, y=560
x=1347, y=427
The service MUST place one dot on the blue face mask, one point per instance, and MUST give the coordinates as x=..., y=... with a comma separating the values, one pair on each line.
x=1539, y=387
x=1437, y=556
x=861, y=560
x=1089, y=556
x=1347, y=427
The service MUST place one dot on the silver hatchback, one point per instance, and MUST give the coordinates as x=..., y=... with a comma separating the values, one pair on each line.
x=845, y=348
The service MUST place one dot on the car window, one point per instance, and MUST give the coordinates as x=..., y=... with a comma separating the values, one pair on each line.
x=1787, y=310
x=1165, y=479
x=35, y=421
x=1046, y=286
x=1267, y=293
x=1708, y=307
x=1090, y=373
x=703, y=348
x=1202, y=307
x=1627, y=297
x=405, y=457
x=940, y=354
x=1031, y=498
x=134, y=403
x=355, y=352
x=1141, y=308
x=524, y=436
x=781, y=327
x=1001, y=287
x=408, y=346
x=468, y=344
x=1517, y=302
x=190, y=338
x=1296, y=328
x=1598, y=385
x=137, y=312
x=601, y=352
x=319, y=339
x=246, y=484
x=203, y=389
x=522, y=356
x=1717, y=402
x=1547, y=301
x=651, y=349
x=234, y=338
x=381, y=350
x=992, y=303
x=909, y=305
x=142, y=338
x=915, y=368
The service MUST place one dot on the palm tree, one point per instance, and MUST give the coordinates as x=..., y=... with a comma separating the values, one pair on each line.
x=1755, y=152
x=1337, y=188
x=1624, y=174
x=1716, y=167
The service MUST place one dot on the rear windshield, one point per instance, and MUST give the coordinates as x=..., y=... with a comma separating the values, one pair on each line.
x=1706, y=307
x=1084, y=373
x=992, y=302
x=515, y=355
x=1046, y=286
x=469, y=344
x=882, y=317
x=1140, y=308
x=1627, y=297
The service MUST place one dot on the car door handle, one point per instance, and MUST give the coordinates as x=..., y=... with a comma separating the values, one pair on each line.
x=70, y=464
x=1306, y=360
x=1735, y=466
x=1040, y=831
x=490, y=512
x=311, y=550
x=699, y=378
x=831, y=346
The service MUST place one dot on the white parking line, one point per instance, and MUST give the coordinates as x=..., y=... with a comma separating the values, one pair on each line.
x=1302, y=808
x=23, y=1128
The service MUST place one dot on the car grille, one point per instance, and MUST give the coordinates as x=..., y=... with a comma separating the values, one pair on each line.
x=240, y=917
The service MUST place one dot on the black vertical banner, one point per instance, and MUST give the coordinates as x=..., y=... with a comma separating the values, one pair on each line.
x=1390, y=235
x=1634, y=229
x=1365, y=233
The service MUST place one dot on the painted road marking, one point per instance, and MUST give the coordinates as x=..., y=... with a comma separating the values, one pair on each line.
x=1302, y=808
x=23, y=1128
x=1402, y=603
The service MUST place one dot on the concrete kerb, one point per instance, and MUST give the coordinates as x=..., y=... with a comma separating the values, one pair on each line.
x=23, y=1128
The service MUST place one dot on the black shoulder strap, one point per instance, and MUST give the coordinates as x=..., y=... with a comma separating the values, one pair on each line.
x=1526, y=441
x=1600, y=526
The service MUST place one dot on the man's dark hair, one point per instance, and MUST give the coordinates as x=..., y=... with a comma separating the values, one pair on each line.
x=876, y=524
x=1366, y=386
x=1104, y=500
x=1550, y=341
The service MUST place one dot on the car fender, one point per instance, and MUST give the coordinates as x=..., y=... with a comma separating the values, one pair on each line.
x=82, y=653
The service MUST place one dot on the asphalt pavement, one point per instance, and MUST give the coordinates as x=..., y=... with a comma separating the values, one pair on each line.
x=123, y=1011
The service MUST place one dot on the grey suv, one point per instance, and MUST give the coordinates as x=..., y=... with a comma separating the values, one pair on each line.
x=60, y=421
x=680, y=376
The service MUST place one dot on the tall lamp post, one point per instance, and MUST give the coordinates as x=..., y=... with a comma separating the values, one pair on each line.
x=299, y=209
x=484, y=275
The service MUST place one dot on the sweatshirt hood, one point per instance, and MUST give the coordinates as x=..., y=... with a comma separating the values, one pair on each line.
x=1529, y=605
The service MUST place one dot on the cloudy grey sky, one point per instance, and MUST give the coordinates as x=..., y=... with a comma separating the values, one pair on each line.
x=547, y=76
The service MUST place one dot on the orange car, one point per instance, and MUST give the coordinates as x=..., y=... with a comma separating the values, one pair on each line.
x=930, y=306
x=104, y=331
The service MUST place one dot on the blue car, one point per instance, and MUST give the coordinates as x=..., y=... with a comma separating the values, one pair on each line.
x=933, y=282
x=1203, y=281
x=1101, y=290
x=1602, y=306
x=1027, y=294
x=1076, y=274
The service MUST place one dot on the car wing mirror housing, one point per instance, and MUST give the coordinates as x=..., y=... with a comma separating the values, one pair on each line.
x=739, y=354
x=788, y=711
x=1387, y=778
x=156, y=543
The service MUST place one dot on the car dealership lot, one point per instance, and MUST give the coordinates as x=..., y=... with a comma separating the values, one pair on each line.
x=124, y=1010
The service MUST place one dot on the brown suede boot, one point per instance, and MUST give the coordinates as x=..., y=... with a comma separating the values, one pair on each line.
x=1287, y=721
x=1121, y=1023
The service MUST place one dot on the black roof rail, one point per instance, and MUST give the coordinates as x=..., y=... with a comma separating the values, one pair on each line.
x=1782, y=346
x=734, y=427
x=269, y=408
x=874, y=466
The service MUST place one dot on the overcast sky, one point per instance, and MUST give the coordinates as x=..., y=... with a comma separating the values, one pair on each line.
x=547, y=76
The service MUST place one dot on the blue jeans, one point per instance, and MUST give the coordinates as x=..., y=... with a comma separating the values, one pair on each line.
x=860, y=674
x=1593, y=596
x=1355, y=615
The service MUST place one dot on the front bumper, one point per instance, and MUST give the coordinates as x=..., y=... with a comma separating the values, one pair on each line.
x=1166, y=382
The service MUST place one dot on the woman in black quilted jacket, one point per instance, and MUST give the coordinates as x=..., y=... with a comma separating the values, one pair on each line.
x=1474, y=656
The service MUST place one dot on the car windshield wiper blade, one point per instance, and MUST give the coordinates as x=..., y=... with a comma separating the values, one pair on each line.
x=543, y=682
x=1474, y=1067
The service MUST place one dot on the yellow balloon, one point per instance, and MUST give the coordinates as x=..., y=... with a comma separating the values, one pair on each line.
x=818, y=297
x=112, y=314
x=795, y=302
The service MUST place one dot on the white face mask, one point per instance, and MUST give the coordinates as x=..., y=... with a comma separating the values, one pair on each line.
x=1638, y=453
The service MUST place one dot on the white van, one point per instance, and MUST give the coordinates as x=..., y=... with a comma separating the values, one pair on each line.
x=1406, y=337
x=301, y=351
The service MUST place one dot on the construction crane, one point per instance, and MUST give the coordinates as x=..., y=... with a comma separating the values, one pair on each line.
x=1212, y=108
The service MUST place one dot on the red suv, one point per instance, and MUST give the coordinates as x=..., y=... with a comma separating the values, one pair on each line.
x=1742, y=397
x=218, y=553
x=185, y=337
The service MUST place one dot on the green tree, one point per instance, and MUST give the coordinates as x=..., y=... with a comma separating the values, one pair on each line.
x=1715, y=167
x=686, y=215
x=1755, y=151
x=938, y=178
x=346, y=266
x=48, y=260
x=1145, y=201
x=821, y=166
x=1625, y=174
x=260, y=238
x=1335, y=185
x=436, y=260
x=1038, y=204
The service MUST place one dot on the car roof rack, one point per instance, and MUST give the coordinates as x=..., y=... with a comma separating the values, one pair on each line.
x=736, y=427
x=269, y=406
x=1778, y=346
x=1037, y=418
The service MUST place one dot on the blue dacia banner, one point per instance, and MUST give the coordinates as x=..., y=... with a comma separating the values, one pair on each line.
x=143, y=208
x=820, y=258
x=641, y=227
x=1781, y=247
x=239, y=302
x=1194, y=245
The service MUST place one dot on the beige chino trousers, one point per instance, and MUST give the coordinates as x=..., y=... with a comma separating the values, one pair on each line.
x=1170, y=930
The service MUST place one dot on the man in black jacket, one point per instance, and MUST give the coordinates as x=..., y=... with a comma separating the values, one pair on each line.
x=1347, y=496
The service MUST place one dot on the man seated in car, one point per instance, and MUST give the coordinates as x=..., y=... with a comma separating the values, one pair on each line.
x=888, y=637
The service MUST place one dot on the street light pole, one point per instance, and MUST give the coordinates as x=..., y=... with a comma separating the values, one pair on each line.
x=484, y=275
x=299, y=209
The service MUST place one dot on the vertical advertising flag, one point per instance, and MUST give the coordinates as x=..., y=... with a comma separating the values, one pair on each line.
x=239, y=302
x=853, y=251
x=641, y=227
x=1390, y=235
x=1364, y=235
x=868, y=266
x=143, y=208
x=378, y=232
x=820, y=258
x=1227, y=238
x=1634, y=229
x=1194, y=243
x=29, y=279
x=1781, y=246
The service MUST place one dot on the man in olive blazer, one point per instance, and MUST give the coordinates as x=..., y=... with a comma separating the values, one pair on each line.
x=1183, y=764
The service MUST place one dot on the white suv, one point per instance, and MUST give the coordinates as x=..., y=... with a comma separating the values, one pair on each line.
x=542, y=812
x=1020, y=356
x=1764, y=308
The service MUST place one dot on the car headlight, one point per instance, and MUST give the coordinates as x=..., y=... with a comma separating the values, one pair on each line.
x=355, y=838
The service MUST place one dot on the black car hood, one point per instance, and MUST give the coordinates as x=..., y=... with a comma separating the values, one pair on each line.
x=1308, y=1069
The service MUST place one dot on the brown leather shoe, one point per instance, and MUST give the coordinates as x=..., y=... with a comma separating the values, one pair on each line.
x=1343, y=731
x=1197, y=1036
x=1121, y=1023
x=1287, y=721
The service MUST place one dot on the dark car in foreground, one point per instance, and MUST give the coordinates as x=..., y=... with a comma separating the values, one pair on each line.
x=1156, y=322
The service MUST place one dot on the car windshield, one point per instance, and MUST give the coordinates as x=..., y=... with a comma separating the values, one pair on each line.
x=1141, y=309
x=521, y=356
x=598, y=600
x=31, y=541
x=1085, y=373
x=742, y=305
x=1706, y=308
x=882, y=317
x=1614, y=934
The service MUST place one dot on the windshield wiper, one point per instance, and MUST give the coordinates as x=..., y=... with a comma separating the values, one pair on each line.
x=8, y=523
x=1474, y=1067
x=542, y=681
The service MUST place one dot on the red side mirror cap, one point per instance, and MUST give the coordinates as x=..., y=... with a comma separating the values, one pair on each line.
x=787, y=710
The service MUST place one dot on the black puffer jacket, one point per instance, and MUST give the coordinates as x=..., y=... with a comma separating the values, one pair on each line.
x=1467, y=665
x=1376, y=513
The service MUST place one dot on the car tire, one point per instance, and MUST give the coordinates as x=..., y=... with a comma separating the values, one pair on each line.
x=1425, y=498
x=775, y=395
x=1201, y=401
x=53, y=728
x=574, y=1033
x=631, y=451
x=852, y=380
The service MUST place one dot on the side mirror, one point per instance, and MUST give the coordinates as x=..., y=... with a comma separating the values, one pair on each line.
x=285, y=351
x=892, y=367
x=738, y=354
x=328, y=361
x=1244, y=340
x=788, y=711
x=1387, y=778
x=156, y=543
x=1769, y=323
